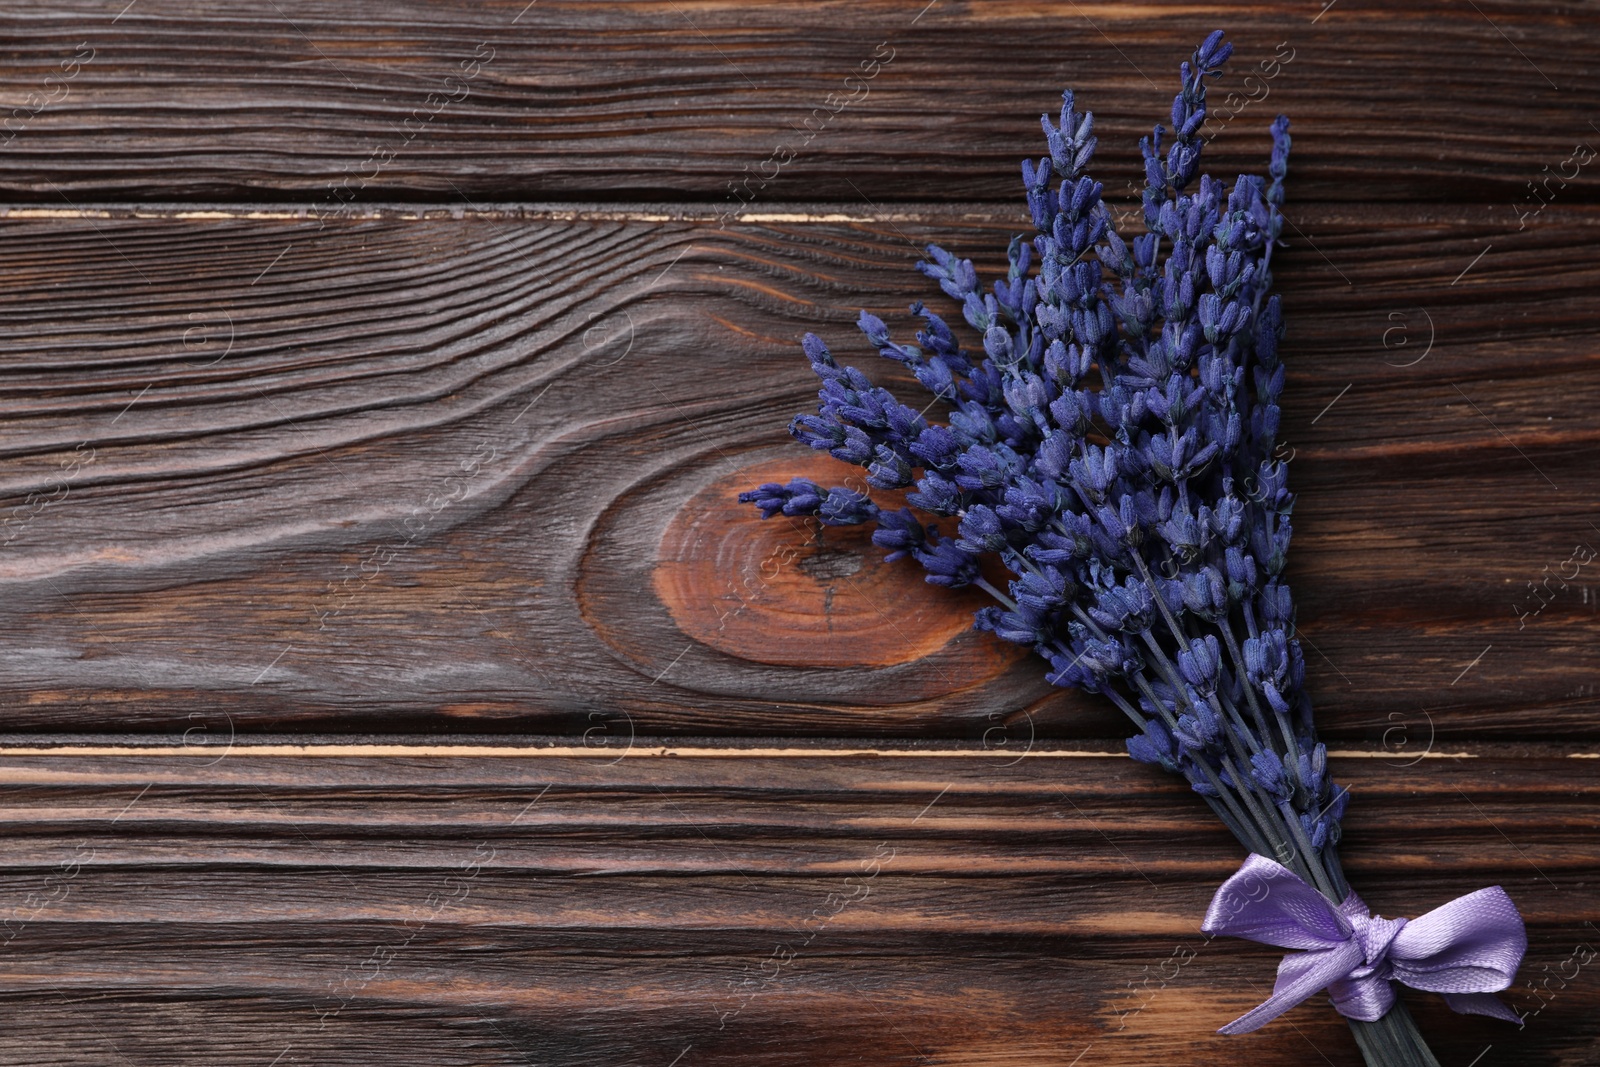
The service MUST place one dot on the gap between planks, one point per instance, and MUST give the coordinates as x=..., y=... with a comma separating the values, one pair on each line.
x=243, y=750
x=696, y=213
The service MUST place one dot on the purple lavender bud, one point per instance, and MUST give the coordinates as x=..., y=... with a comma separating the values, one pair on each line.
x=1264, y=423
x=1204, y=593
x=1141, y=604
x=1117, y=255
x=817, y=432
x=982, y=387
x=1093, y=474
x=1028, y=505
x=817, y=352
x=1017, y=628
x=1072, y=542
x=1241, y=573
x=987, y=467
x=1275, y=697
x=1170, y=590
x=1182, y=534
x=937, y=377
x=1110, y=520
x=1085, y=192
x=1271, y=657
x=1227, y=517
x=1231, y=433
x=846, y=507
x=1072, y=412
x=888, y=469
x=1222, y=319
x=904, y=424
x=1177, y=296
x=774, y=498
x=1255, y=663
x=997, y=344
x=1183, y=159
x=1040, y=206
x=1054, y=455
x=1075, y=672
x=1110, y=656
x=857, y=447
x=1276, y=605
x=1274, y=479
x=1334, y=813
x=936, y=493
x=1155, y=745
x=874, y=328
x=1027, y=396
x=937, y=339
x=946, y=563
x=1199, y=731
x=981, y=531
x=956, y=277
x=1269, y=383
x=1279, y=556
x=1200, y=664
x=1144, y=251
x=937, y=447
x=980, y=312
x=1213, y=52
x=1266, y=768
x=1093, y=327
x=1218, y=374
x=1071, y=144
x=1043, y=592
x=900, y=531
x=1279, y=164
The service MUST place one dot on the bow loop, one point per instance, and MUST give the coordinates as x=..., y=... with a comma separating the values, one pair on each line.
x=1267, y=902
x=1471, y=945
x=1467, y=949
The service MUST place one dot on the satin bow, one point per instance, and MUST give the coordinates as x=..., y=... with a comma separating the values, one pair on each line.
x=1466, y=949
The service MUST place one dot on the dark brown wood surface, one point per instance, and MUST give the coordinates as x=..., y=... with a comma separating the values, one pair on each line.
x=479, y=474
x=633, y=99
x=375, y=383
x=756, y=907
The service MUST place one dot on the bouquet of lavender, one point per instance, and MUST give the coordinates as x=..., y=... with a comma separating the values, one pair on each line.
x=1113, y=450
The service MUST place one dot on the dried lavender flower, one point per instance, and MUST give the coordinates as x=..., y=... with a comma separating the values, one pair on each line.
x=1113, y=447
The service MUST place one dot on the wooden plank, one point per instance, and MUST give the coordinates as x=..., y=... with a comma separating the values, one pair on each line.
x=859, y=101
x=407, y=472
x=520, y=907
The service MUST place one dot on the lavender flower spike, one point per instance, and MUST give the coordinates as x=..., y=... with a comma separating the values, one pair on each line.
x=1114, y=447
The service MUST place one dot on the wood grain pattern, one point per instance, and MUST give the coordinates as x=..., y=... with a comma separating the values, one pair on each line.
x=375, y=381
x=479, y=473
x=952, y=907
x=324, y=104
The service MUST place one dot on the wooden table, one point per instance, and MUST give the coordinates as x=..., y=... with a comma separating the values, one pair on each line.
x=390, y=677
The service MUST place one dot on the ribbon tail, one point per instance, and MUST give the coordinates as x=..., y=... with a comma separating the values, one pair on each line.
x=1481, y=1004
x=1300, y=976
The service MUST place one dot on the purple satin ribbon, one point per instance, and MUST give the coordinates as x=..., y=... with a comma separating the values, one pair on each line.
x=1466, y=949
